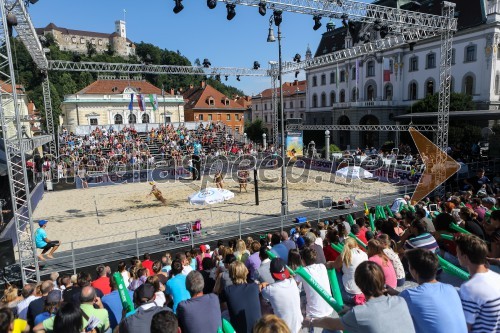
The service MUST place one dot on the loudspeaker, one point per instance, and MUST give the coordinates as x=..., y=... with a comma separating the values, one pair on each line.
x=7, y=257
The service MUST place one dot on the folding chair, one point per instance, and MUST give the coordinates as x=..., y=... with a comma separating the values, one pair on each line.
x=183, y=232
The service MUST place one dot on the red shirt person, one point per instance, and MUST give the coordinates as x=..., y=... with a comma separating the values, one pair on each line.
x=102, y=282
x=148, y=264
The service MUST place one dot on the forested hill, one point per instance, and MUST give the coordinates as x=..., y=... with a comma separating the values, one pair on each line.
x=64, y=83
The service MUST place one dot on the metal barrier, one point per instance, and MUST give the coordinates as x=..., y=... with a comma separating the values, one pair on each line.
x=140, y=241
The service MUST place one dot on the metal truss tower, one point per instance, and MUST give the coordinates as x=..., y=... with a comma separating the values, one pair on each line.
x=10, y=121
x=49, y=118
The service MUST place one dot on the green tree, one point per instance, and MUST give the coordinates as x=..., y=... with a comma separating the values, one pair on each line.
x=255, y=129
x=458, y=102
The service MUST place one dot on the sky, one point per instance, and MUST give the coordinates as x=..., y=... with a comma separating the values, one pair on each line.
x=197, y=31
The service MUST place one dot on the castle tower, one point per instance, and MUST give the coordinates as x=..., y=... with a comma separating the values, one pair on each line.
x=120, y=28
x=308, y=53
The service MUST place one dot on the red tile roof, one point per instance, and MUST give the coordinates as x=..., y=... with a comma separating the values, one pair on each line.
x=289, y=89
x=7, y=87
x=118, y=86
x=198, y=98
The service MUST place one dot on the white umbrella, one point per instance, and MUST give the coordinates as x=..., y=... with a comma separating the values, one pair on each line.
x=353, y=172
x=210, y=196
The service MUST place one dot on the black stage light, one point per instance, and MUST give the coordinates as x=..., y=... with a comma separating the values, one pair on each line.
x=317, y=22
x=277, y=17
x=262, y=8
x=256, y=65
x=344, y=20
x=217, y=77
x=297, y=57
x=206, y=63
x=227, y=77
x=211, y=4
x=178, y=6
x=231, y=13
x=238, y=78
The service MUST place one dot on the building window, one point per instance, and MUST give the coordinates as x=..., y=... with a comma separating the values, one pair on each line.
x=237, y=117
x=73, y=39
x=168, y=119
x=93, y=121
x=82, y=40
x=332, y=98
x=470, y=53
x=342, y=96
x=431, y=60
x=301, y=116
x=93, y=41
x=228, y=117
x=323, y=99
x=333, y=78
x=132, y=119
x=118, y=119
x=453, y=53
x=315, y=101
x=145, y=118
x=265, y=106
x=200, y=117
x=370, y=93
x=265, y=118
x=210, y=117
x=469, y=85
x=291, y=104
x=353, y=73
x=429, y=88
x=413, y=91
x=301, y=104
x=391, y=66
x=497, y=82
x=370, y=69
x=315, y=81
x=99, y=42
x=256, y=107
x=388, y=92
x=237, y=129
x=211, y=101
x=342, y=76
x=354, y=95
x=323, y=79
x=413, y=64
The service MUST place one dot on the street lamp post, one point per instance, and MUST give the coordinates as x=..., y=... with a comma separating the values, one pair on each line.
x=245, y=138
x=264, y=141
x=276, y=18
x=327, y=145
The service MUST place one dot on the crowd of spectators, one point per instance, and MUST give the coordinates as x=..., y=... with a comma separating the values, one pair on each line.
x=195, y=291
x=108, y=149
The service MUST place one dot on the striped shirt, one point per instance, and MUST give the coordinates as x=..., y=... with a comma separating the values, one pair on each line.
x=480, y=298
x=423, y=241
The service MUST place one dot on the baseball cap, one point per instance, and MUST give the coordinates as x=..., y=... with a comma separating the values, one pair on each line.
x=278, y=269
x=300, y=242
x=207, y=247
x=42, y=222
x=203, y=248
x=144, y=293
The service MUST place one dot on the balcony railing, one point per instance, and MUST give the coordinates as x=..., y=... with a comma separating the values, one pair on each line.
x=362, y=104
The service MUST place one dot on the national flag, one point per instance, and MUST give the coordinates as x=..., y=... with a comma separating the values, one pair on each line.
x=387, y=70
x=131, y=104
x=153, y=101
x=140, y=102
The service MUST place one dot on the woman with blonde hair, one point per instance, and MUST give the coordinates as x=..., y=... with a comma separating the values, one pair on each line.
x=349, y=260
x=389, y=246
x=271, y=324
x=377, y=255
x=11, y=297
x=242, y=299
x=241, y=252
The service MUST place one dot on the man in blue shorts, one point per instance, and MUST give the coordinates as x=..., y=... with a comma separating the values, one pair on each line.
x=42, y=242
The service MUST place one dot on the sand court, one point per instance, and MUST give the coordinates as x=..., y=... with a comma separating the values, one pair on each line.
x=101, y=215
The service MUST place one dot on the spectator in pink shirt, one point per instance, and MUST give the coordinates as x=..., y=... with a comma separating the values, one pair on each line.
x=377, y=255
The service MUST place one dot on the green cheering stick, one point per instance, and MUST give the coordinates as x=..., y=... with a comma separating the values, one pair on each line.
x=274, y=256
x=372, y=221
x=127, y=304
x=349, y=219
x=334, y=285
x=337, y=247
x=359, y=241
x=318, y=288
x=452, y=269
x=458, y=229
x=389, y=211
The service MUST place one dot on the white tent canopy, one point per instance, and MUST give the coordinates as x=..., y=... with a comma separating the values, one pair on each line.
x=353, y=172
x=210, y=196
